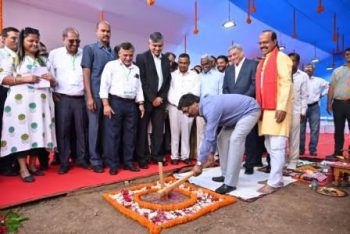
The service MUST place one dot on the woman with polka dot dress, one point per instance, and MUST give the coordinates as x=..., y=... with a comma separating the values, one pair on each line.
x=28, y=120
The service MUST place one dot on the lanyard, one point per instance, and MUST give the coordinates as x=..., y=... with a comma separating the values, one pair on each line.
x=108, y=52
x=73, y=58
x=126, y=71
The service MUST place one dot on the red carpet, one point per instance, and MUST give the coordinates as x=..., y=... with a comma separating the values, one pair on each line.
x=15, y=192
x=325, y=146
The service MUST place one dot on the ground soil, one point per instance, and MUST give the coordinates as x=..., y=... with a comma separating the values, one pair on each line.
x=294, y=209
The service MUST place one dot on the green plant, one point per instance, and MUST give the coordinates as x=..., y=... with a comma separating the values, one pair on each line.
x=11, y=222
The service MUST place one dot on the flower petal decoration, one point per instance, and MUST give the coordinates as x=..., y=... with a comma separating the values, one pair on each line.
x=155, y=216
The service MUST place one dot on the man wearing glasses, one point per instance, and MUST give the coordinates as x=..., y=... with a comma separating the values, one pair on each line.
x=69, y=99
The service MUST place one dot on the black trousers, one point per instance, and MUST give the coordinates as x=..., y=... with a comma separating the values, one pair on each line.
x=8, y=163
x=254, y=148
x=71, y=112
x=341, y=113
x=157, y=117
x=120, y=130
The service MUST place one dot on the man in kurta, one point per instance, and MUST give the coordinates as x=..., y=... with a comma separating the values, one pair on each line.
x=274, y=94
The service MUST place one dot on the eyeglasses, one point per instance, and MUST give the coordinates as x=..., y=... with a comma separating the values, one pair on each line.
x=71, y=41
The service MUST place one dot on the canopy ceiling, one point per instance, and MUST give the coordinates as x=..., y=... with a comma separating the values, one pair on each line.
x=174, y=18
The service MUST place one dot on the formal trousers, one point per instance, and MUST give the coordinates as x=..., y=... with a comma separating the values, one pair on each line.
x=341, y=113
x=294, y=142
x=71, y=112
x=276, y=147
x=120, y=129
x=95, y=132
x=180, y=127
x=231, y=144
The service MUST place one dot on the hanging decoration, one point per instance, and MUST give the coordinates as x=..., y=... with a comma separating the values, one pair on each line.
x=195, y=30
x=102, y=15
x=320, y=7
x=150, y=2
x=185, y=43
x=248, y=20
x=337, y=49
x=1, y=19
x=294, y=24
x=335, y=27
x=342, y=46
x=253, y=8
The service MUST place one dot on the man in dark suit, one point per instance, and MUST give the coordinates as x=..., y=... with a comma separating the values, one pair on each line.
x=155, y=78
x=240, y=79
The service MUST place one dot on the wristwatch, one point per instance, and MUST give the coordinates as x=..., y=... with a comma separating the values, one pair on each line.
x=199, y=163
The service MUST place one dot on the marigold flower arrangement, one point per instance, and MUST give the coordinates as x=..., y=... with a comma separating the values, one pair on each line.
x=156, y=216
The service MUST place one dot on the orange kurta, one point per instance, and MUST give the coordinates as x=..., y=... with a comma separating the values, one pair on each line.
x=268, y=124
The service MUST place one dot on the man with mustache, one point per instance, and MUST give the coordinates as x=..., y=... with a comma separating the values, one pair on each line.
x=69, y=102
x=95, y=57
x=274, y=94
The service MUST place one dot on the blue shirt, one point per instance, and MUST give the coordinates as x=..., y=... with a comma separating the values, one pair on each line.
x=95, y=57
x=211, y=82
x=222, y=110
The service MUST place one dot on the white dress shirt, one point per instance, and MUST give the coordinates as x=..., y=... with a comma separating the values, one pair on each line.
x=158, y=63
x=5, y=53
x=67, y=71
x=317, y=87
x=183, y=83
x=300, y=92
x=238, y=69
x=121, y=81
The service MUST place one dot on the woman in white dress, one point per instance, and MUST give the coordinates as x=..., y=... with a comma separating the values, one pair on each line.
x=28, y=120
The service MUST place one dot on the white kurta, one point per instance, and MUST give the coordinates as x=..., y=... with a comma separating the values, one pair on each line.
x=28, y=120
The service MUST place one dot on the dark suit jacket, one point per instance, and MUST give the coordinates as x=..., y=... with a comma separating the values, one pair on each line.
x=246, y=79
x=149, y=76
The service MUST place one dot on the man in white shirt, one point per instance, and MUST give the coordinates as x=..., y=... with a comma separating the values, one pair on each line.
x=211, y=82
x=69, y=99
x=122, y=96
x=183, y=81
x=299, y=110
x=316, y=88
x=9, y=37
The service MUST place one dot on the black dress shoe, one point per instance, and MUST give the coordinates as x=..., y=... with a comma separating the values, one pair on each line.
x=218, y=179
x=223, y=189
x=9, y=173
x=332, y=158
x=83, y=165
x=36, y=172
x=97, y=169
x=131, y=168
x=55, y=161
x=28, y=179
x=113, y=171
x=63, y=170
x=249, y=171
x=174, y=162
x=186, y=161
x=143, y=165
x=313, y=153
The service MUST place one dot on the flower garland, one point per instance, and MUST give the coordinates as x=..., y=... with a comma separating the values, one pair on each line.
x=156, y=218
x=10, y=222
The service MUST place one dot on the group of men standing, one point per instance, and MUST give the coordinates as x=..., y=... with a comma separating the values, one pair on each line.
x=104, y=101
